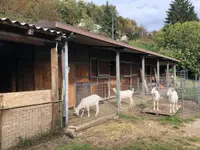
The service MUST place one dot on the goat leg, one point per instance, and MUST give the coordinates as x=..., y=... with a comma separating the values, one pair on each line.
x=97, y=110
x=154, y=105
x=131, y=101
x=170, y=108
x=82, y=112
x=88, y=109
x=157, y=105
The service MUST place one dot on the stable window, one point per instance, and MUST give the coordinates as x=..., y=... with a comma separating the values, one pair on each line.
x=93, y=67
x=135, y=68
x=125, y=69
x=103, y=68
x=82, y=70
x=112, y=68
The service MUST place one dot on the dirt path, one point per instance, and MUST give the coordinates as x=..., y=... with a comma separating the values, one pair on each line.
x=193, y=129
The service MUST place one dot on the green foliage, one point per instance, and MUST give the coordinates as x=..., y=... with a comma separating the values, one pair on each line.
x=109, y=18
x=30, y=10
x=144, y=43
x=68, y=11
x=181, y=11
x=181, y=41
x=75, y=12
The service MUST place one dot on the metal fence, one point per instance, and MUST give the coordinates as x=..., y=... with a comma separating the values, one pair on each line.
x=21, y=123
x=189, y=94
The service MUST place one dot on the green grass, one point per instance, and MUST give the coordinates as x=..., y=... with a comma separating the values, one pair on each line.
x=172, y=120
x=131, y=117
x=175, y=121
x=151, y=143
x=75, y=146
x=142, y=143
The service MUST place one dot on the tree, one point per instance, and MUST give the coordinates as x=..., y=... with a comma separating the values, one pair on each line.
x=95, y=12
x=181, y=41
x=109, y=18
x=30, y=10
x=181, y=11
x=69, y=11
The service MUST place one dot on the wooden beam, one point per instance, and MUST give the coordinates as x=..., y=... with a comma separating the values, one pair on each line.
x=7, y=36
x=54, y=85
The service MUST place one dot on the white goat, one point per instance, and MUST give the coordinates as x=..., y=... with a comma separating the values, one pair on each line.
x=86, y=103
x=156, y=98
x=173, y=99
x=125, y=94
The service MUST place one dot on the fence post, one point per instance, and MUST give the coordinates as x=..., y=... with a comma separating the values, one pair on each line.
x=167, y=75
x=118, y=80
x=1, y=116
x=143, y=77
x=54, y=84
x=158, y=74
x=174, y=71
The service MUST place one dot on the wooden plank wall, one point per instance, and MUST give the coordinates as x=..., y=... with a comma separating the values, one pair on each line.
x=24, y=68
x=95, y=71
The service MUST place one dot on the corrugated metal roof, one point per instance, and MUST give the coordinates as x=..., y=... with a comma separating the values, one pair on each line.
x=29, y=26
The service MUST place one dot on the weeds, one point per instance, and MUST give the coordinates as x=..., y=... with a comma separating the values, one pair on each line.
x=173, y=120
x=43, y=137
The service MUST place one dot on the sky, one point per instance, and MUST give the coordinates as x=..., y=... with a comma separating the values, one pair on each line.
x=149, y=13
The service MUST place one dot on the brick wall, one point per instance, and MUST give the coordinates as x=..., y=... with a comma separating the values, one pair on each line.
x=25, y=122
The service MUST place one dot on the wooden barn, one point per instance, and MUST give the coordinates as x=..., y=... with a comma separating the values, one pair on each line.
x=28, y=99
x=92, y=63
x=38, y=60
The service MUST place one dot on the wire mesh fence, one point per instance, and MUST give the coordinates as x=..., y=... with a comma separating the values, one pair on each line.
x=91, y=91
x=25, y=122
x=189, y=94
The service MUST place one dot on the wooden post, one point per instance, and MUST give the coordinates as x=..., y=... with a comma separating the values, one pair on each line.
x=167, y=75
x=54, y=85
x=174, y=72
x=143, y=77
x=118, y=80
x=158, y=73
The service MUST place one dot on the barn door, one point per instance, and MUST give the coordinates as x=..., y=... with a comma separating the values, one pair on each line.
x=71, y=85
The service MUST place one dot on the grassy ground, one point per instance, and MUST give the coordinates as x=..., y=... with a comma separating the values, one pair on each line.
x=137, y=133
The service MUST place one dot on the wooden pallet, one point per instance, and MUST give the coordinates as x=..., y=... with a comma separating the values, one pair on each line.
x=164, y=110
